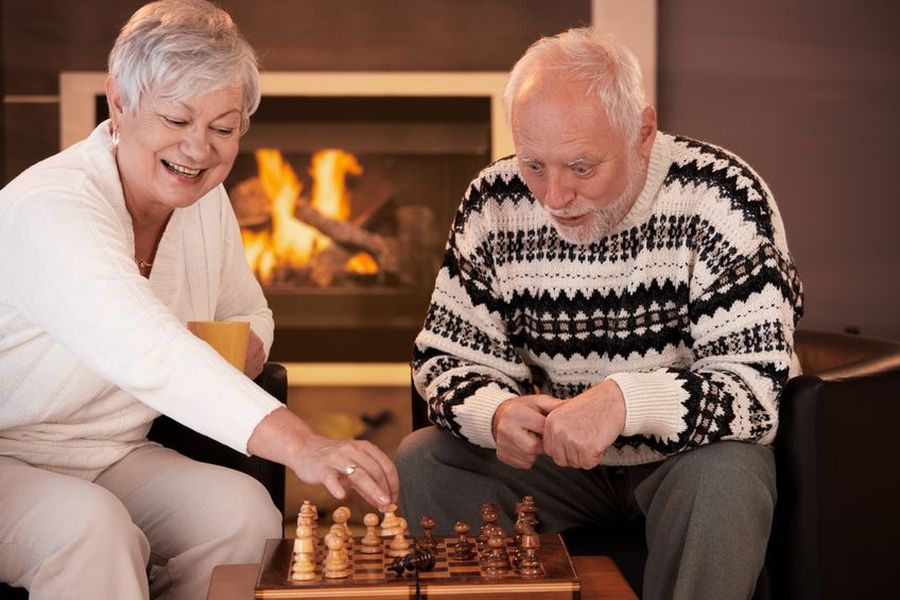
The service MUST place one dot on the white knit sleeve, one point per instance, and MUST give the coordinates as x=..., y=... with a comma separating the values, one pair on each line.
x=66, y=266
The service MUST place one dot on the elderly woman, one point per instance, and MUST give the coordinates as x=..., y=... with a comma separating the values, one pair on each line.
x=106, y=250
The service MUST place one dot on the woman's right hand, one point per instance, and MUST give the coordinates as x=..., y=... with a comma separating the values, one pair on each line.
x=284, y=438
x=358, y=464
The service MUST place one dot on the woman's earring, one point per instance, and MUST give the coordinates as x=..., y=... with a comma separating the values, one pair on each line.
x=115, y=137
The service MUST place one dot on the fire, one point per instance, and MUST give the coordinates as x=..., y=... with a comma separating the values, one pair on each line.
x=329, y=170
x=289, y=242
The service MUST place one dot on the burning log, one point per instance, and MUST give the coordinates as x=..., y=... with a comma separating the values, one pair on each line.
x=386, y=250
x=291, y=237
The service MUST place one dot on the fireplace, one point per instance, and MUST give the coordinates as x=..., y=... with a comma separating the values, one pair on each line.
x=345, y=187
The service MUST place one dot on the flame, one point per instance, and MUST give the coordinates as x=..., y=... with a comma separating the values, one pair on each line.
x=290, y=242
x=329, y=170
x=362, y=263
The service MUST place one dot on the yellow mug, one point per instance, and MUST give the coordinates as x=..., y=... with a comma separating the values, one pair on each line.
x=228, y=338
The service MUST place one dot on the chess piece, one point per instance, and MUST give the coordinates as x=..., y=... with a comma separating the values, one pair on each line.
x=336, y=559
x=304, y=564
x=462, y=549
x=370, y=543
x=427, y=541
x=304, y=568
x=399, y=545
x=417, y=560
x=529, y=565
x=391, y=522
x=338, y=529
x=490, y=514
x=309, y=516
x=529, y=510
x=303, y=541
x=340, y=516
x=521, y=527
x=495, y=560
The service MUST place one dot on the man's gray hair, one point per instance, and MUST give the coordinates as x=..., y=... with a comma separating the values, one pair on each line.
x=181, y=49
x=610, y=70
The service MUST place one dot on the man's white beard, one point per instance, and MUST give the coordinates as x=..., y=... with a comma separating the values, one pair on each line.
x=602, y=220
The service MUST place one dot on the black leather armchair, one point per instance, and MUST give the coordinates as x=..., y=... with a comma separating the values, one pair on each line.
x=174, y=435
x=837, y=477
x=171, y=434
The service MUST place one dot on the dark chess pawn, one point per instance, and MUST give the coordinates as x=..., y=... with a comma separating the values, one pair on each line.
x=427, y=542
x=462, y=549
x=529, y=565
x=495, y=560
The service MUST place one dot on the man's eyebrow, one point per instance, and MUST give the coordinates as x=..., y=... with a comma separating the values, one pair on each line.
x=578, y=158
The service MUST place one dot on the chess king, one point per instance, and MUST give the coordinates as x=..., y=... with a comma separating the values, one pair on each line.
x=610, y=330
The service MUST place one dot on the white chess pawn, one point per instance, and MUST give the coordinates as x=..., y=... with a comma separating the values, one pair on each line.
x=335, y=565
x=391, y=522
x=399, y=545
x=370, y=543
x=341, y=515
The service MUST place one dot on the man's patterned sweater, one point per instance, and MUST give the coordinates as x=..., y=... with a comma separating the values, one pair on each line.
x=689, y=306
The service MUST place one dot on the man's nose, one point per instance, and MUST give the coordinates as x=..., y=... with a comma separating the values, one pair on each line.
x=558, y=194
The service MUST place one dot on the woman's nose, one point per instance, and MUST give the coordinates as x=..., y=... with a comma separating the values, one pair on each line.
x=196, y=143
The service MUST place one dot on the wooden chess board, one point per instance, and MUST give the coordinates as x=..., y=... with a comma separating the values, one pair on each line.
x=450, y=579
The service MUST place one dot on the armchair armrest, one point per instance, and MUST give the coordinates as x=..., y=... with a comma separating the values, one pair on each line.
x=835, y=455
x=172, y=434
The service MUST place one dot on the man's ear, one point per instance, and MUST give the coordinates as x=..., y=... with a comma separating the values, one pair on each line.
x=114, y=100
x=648, y=131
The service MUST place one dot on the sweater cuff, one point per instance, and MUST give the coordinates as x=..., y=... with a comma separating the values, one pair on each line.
x=654, y=403
x=476, y=414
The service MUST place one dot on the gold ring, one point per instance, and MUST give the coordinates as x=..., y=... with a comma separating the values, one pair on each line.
x=348, y=470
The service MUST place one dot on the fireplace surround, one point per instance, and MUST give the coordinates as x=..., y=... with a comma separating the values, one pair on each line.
x=416, y=139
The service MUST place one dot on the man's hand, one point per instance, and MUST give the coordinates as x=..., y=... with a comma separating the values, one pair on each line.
x=578, y=432
x=518, y=425
x=256, y=356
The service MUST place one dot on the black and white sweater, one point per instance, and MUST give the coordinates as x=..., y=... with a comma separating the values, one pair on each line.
x=690, y=306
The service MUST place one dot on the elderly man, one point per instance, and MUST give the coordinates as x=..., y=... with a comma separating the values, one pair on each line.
x=610, y=330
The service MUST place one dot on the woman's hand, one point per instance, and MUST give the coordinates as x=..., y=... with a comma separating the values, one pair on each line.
x=337, y=464
x=256, y=356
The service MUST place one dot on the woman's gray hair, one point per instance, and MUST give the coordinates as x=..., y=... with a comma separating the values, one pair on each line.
x=610, y=70
x=179, y=48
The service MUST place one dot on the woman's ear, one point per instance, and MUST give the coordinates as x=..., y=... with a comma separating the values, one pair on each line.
x=114, y=100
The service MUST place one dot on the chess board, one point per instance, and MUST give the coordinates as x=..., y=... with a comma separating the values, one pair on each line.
x=450, y=579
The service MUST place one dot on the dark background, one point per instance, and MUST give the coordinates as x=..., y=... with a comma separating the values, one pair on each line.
x=806, y=91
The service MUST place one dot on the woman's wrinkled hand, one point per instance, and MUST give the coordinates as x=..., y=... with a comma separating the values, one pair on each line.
x=285, y=438
x=357, y=464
